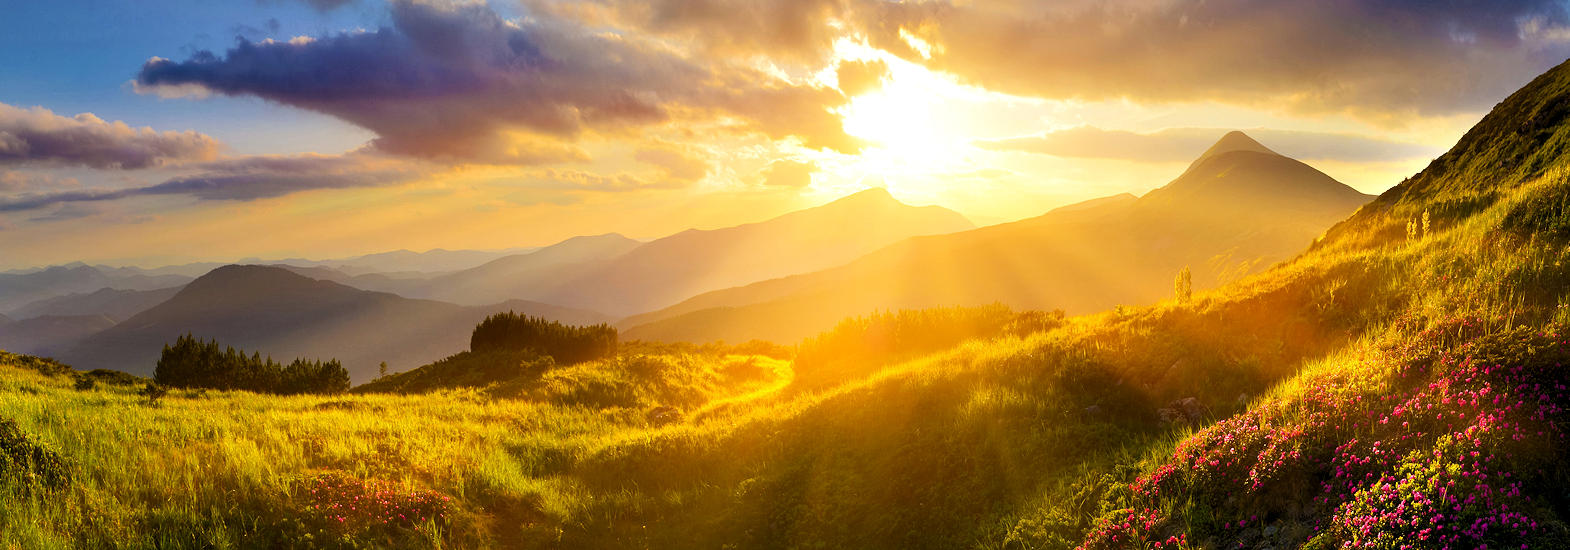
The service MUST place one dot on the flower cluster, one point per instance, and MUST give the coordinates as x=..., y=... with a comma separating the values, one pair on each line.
x=1133, y=527
x=1434, y=442
x=357, y=504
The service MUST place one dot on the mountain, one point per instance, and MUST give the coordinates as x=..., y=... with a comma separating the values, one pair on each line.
x=277, y=312
x=19, y=289
x=519, y=275
x=1237, y=209
x=50, y=334
x=116, y=304
x=665, y=271
x=436, y=260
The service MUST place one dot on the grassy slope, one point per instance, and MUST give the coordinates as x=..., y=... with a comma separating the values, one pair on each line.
x=1046, y=441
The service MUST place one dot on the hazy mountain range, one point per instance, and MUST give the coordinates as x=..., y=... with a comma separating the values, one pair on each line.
x=286, y=315
x=1238, y=208
x=19, y=289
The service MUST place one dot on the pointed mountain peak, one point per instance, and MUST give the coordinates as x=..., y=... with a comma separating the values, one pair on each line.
x=1235, y=141
x=870, y=194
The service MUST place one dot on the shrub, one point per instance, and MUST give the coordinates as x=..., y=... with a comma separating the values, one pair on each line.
x=114, y=377
x=568, y=344
x=153, y=392
x=42, y=365
x=27, y=464
x=192, y=363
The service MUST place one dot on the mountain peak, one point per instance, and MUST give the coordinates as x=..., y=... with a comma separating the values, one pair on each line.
x=1233, y=141
x=254, y=278
x=870, y=194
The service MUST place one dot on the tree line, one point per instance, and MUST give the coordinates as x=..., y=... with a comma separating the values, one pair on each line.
x=565, y=343
x=193, y=363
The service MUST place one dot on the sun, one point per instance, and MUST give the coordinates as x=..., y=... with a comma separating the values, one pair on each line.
x=904, y=123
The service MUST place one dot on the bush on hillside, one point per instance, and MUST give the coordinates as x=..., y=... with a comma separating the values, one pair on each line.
x=25, y=463
x=42, y=365
x=567, y=344
x=466, y=369
x=192, y=363
x=114, y=377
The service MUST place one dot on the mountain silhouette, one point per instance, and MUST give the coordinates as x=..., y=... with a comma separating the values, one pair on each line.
x=286, y=315
x=50, y=334
x=18, y=289
x=1238, y=208
x=116, y=304
x=665, y=271
x=520, y=275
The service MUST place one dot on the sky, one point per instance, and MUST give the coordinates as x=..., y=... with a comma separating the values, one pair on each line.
x=162, y=131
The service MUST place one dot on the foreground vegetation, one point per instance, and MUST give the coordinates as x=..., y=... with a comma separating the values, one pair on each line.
x=1398, y=385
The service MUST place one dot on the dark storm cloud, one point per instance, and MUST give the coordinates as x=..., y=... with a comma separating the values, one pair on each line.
x=458, y=82
x=1184, y=144
x=39, y=137
x=1380, y=58
x=246, y=178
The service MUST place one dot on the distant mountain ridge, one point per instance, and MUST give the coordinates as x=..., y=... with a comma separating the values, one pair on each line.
x=668, y=270
x=278, y=312
x=116, y=304
x=1237, y=209
x=526, y=275
x=50, y=334
x=17, y=290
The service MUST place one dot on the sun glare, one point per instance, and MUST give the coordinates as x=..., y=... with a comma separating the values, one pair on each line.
x=902, y=122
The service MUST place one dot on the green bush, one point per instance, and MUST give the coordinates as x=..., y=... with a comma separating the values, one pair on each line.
x=568, y=344
x=26, y=464
x=192, y=363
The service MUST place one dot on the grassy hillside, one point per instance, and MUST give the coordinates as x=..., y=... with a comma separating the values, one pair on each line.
x=1400, y=384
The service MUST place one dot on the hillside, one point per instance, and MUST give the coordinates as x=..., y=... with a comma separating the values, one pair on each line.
x=1236, y=210
x=116, y=304
x=287, y=315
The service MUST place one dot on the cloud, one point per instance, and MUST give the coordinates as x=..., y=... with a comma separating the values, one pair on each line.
x=678, y=163
x=25, y=181
x=37, y=136
x=788, y=173
x=323, y=6
x=247, y=178
x=68, y=211
x=1184, y=144
x=859, y=77
x=458, y=82
x=793, y=30
x=1380, y=59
